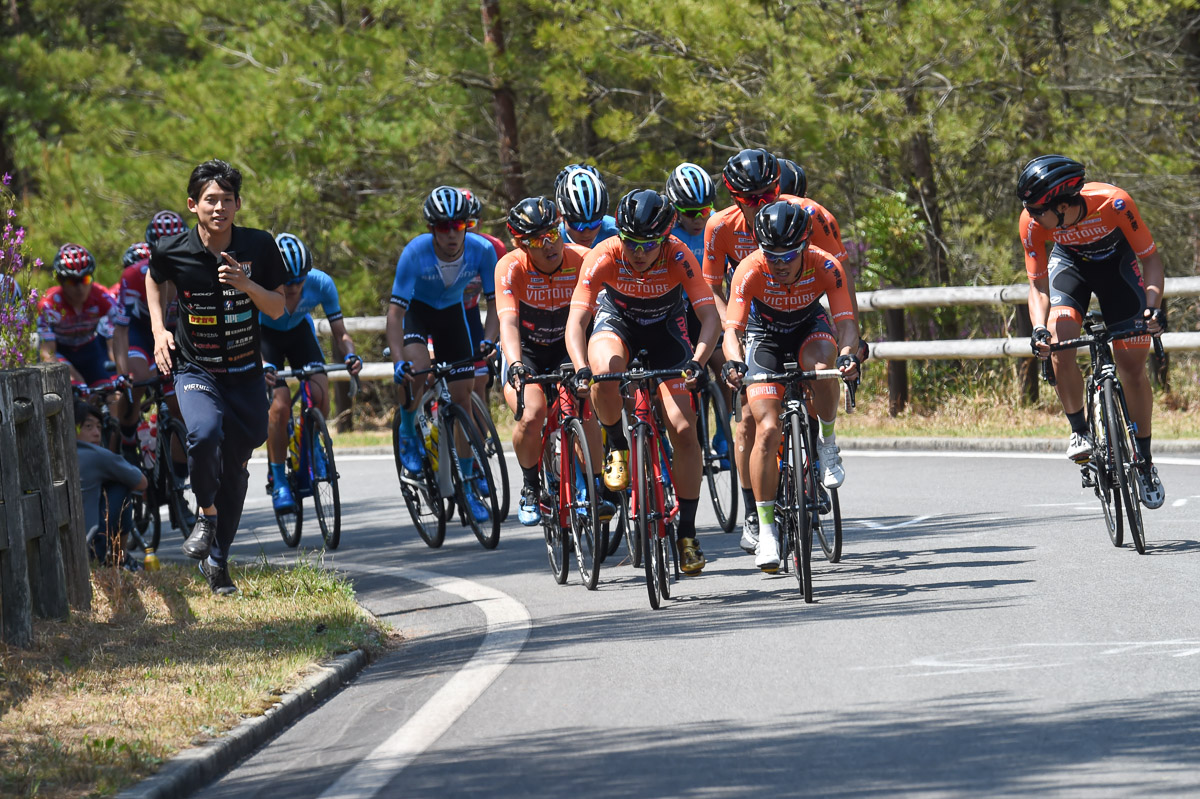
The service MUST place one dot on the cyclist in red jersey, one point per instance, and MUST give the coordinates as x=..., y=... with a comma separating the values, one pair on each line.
x=634, y=284
x=72, y=317
x=1099, y=245
x=774, y=315
x=534, y=284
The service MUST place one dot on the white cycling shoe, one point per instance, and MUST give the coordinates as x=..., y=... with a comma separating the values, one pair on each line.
x=749, y=541
x=1079, y=447
x=833, y=474
x=767, y=555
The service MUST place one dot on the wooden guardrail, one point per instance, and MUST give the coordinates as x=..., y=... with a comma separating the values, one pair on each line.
x=43, y=556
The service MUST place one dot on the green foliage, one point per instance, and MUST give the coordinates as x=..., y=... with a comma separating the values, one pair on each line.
x=894, y=235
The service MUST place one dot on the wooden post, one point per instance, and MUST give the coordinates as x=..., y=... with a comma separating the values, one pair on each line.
x=1027, y=368
x=344, y=409
x=897, y=371
x=64, y=468
x=16, y=610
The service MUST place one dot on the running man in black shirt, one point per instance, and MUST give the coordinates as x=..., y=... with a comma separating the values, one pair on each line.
x=223, y=275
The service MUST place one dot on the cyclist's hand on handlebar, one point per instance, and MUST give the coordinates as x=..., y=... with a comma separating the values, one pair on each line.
x=1156, y=321
x=848, y=365
x=487, y=346
x=580, y=381
x=354, y=363
x=269, y=375
x=695, y=375
x=400, y=373
x=733, y=372
x=1039, y=342
x=517, y=373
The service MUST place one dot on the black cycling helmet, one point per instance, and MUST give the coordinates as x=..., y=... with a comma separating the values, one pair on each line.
x=689, y=186
x=781, y=226
x=580, y=193
x=135, y=254
x=164, y=223
x=446, y=204
x=792, y=179
x=73, y=261
x=532, y=215
x=297, y=260
x=1049, y=178
x=751, y=171
x=645, y=214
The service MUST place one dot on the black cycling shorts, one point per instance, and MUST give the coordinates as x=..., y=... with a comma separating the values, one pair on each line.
x=768, y=351
x=666, y=342
x=1116, y=281
x=450, y=331
x=297, y=347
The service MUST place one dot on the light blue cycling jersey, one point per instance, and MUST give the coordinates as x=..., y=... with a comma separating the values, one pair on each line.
x=608, y=229
x=318, y=290
x=694, y=243
x=419, y=278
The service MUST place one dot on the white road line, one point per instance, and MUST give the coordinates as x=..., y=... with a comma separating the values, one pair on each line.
x=507, y=630
x=1179, y=503
x=1045, y=456
x=896, y=526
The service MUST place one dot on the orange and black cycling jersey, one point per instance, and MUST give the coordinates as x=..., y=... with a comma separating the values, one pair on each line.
x=727, y=239
x=644, y=297
x=541, y=302
x=757, y=298
x=1111, y=220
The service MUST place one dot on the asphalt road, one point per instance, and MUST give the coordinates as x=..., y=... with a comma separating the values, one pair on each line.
x=980, y=636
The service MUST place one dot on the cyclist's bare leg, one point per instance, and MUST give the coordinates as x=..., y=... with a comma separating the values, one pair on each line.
x=606, y=353
x=417, y=354
x=1131, y=365
x=680, y=422
x=764, y=466
x=743, y=446
x=319, y=388
x=527, y=431
x=460, y=395
x=591, y=430
x=277, y=417
x=1066, y=368
x=821, y=354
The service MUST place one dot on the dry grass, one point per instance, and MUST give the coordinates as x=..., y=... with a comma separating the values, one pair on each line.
x=160, y=664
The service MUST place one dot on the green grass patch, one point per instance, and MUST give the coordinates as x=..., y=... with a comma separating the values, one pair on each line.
x=159, y=664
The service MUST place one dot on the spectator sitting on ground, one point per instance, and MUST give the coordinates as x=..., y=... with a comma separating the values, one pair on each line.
x=106, y=480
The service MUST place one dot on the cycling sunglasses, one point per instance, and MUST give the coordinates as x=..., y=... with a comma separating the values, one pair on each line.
x=641, y=245
x=1037, y=210
x=758, y=198
x=455, y=226
x=582, y=226
x=782, y=257
x=692, y=213
x=86, y=280
x=472, y=224
x=540, y=240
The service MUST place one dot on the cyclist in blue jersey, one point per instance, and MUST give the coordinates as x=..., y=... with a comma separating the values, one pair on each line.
x=427, y=303
x=293, y=338
x=582, y=198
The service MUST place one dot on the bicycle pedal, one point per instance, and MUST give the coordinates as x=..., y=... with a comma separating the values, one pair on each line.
x=1083, y=460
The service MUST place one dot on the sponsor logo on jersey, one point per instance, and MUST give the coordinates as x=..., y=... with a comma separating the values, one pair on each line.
x=190, y=294
x=195, y=319
x=198, y=387
x=245, y=368
x=241, y=355
x=230, y=293
x=1119, y=204
x=206, y=359
x=552, y=296
x=238, y=331
x=229, y=305
x=679, y=255
x=237, y=342
x=202, y=334
x=234, y=318
x=202, y=346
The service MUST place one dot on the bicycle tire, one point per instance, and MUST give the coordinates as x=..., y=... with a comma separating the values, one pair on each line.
x=291, y=523
x=831, y=540
x=647, y=531
x=552, y=529
x=327, y=498
x=1122, y=448
x=721, y=480
x=493, y=445
x=421, y=495
x=803, y=489
x=668, y=552
x=585, y=522
x=1103, y=472
x=487, y=531
x=173, y=486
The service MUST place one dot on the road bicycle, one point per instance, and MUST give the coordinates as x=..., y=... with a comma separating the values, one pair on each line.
x=310, y=466
x=493, y=445
x=720, y=473
x=570, y=518
x=1112, y=470
x=652, y=509
x=801, y=500
x=448, y=436
x=162, y=457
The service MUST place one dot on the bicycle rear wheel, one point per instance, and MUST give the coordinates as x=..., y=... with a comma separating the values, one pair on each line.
x=421, y=495
x=173, y=478
x=668, y=551
x=1122, y=446
x=585, y=523
x=1103, y=470
x=644, y=509
x=327, y=499
x=720, y=474
x=552, y=529
x=291, y=523
x=473, y=462
x=829, y=531
x=802, y=489
x=494, y=448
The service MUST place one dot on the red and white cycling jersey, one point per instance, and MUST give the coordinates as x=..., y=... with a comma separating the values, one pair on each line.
x=59, y=322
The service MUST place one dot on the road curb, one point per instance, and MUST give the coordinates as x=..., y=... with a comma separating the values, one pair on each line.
x=192, y=769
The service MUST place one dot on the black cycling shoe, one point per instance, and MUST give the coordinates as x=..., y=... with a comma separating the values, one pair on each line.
x=199, y=543
x=218, y=578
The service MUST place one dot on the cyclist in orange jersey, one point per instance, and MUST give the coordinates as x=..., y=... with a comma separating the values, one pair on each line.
x=1099, y=245
x=534, y=285
x=634, y=284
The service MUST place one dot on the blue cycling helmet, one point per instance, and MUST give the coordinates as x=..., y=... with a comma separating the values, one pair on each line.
x=297, y=260
x=164, y=223
x=580, y=194
x=689, y=186
x=446, y=204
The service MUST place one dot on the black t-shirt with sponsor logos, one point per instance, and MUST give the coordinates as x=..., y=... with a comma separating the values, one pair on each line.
x=218, y=324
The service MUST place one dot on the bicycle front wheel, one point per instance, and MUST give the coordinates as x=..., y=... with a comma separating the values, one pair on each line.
x=720, y=474
x=421, y=495
x=1103, y=469
x=585, y=524
x=291, y=523
x=802, y=490
x=829, y=531
x=494, y=449
x=649, y=516
x=1122, y=446
x=327, y=499
x=472, y=476
x=552, y=523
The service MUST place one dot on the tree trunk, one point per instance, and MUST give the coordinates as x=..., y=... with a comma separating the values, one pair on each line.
x=1027, y=368
x=919, y=169
x=897, y=371
x=502, y=102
